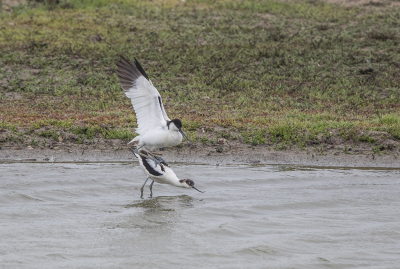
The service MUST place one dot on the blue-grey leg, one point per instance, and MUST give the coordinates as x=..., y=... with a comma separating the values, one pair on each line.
x=156, y=161
x=137, y=150
x=161, y=160
x=141, y=189
x=151, y=188
x=158, y=158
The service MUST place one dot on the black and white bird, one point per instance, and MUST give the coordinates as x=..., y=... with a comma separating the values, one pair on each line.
x=155, y=129
x=161, y=173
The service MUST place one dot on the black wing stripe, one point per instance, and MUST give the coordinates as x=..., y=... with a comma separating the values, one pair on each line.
x=148, y=167
x=140, y=68
x=160, y=102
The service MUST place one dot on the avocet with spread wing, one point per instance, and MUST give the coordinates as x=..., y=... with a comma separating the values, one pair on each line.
x=155, y=129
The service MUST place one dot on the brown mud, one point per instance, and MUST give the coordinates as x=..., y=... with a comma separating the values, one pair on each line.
x=377, y=149
x=226, y=153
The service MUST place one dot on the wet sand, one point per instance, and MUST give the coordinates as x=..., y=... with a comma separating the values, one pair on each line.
x=206, y=154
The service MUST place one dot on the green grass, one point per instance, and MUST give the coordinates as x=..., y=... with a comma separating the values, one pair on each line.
x=271, y=72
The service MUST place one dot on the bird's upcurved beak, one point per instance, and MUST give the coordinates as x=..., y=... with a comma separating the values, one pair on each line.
x=184, y=135
x=197, y=189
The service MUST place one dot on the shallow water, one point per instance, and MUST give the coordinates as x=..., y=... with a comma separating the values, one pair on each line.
x=69, y=215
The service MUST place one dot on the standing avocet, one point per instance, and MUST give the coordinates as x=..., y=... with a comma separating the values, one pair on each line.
x=161, y=174
x=155, y=129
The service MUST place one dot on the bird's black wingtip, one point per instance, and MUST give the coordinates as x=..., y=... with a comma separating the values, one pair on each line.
x=128, y=72
x=140, y=68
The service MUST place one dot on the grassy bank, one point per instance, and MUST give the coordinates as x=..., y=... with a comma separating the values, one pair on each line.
x=260, y=72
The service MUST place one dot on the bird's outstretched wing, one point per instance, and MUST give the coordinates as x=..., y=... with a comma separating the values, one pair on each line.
x=145, y=98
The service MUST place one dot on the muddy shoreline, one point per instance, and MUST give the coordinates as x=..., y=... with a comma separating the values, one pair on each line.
x=207, y=154
x=383, y=150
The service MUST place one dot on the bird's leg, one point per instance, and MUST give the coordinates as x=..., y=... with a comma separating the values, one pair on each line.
x=151, y=188
x=141, y=189
x=137, y=149
x=160, y=159
x=156, y=161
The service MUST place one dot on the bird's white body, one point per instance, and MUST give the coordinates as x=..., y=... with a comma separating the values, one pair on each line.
x=155, y=130
x=159, y=137
x=160, y=173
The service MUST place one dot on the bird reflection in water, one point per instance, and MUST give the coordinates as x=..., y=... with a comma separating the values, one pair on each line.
x=159, y=214
x=163, y=203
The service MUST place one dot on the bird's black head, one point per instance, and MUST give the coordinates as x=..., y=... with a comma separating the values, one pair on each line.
x=177, y=123
x=190, y=184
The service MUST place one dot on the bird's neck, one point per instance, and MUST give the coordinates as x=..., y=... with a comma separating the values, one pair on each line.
x=172, y=178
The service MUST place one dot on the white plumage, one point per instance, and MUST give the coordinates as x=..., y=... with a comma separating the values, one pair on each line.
x=144, y=97
x=161, y=173
x=155, y=129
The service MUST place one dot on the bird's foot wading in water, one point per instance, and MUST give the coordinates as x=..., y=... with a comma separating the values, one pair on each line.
x=141, y=189
x=151, y=189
